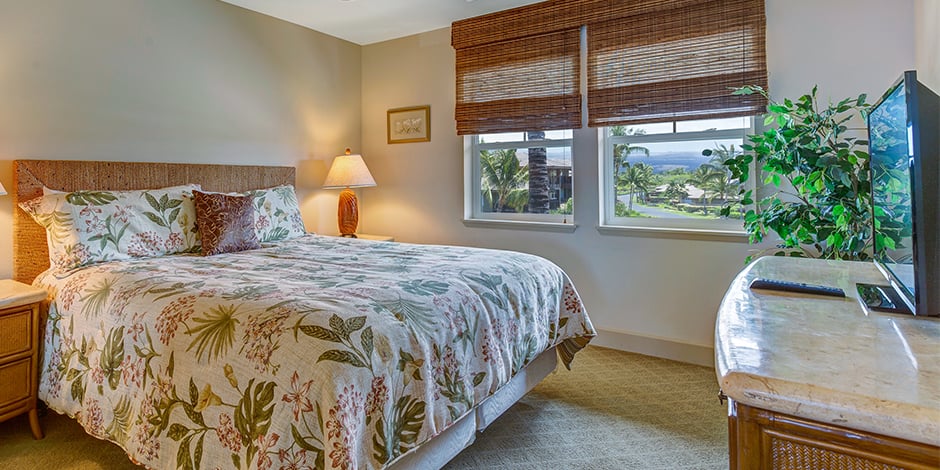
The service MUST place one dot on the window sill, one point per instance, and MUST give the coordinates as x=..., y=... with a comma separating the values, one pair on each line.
x=680, y=233
x=521, y=225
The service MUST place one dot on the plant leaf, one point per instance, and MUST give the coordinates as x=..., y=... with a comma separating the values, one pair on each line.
x=346, y=357
x=367, y=341
x=319, y=332
x=355, y=323
x=177, y=431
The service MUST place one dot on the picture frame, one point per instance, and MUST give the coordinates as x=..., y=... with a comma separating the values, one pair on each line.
x=411, y=124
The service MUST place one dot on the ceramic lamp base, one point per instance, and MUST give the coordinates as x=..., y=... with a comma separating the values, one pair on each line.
x=348, y=213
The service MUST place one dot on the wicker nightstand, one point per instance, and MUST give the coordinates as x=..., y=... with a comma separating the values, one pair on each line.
x=19, y=351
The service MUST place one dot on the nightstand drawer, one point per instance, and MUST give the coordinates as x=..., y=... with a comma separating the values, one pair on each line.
x=15, y=382
x=16, y=331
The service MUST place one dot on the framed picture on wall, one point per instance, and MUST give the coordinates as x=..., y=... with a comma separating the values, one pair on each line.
x=411, y=124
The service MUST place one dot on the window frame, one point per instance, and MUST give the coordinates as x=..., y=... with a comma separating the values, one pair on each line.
x=473, y=188
x=610, y=223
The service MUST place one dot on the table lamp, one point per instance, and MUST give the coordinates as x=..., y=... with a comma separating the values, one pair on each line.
x=348, y=171
x=3, y=191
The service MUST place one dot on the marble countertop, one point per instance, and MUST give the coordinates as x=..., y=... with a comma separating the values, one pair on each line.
x=826, y=358
x=17, y=293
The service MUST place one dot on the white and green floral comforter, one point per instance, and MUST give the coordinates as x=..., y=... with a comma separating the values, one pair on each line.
x=317, y=352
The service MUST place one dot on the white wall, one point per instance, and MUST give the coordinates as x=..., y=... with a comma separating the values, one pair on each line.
x=652, y=294
x=847, y=47
x=173, y=81
x=927, y=42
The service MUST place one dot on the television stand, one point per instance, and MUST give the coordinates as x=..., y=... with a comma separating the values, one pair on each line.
x=819, y=383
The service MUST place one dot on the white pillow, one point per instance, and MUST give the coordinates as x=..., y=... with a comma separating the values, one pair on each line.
x=277, y=214
x=85, y=227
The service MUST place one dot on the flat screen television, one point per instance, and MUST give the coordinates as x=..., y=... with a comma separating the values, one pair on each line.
x=904, y=144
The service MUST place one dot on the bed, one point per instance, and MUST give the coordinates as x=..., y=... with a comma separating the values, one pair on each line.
x=309, y=352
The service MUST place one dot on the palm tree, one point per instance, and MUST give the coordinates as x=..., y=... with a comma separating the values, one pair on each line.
x=675, y=191
x=637, y=178
x=703, y=177
x=724, y=186
x=502, y=176
x=538, y=175
x=622, y=151
x=720, y=154
x=517, y=200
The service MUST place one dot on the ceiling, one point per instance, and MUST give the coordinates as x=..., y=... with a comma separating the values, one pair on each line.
x=369, y=21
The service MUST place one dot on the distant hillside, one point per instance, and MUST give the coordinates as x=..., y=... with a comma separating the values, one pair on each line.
x=660, y=162
x=667, y=161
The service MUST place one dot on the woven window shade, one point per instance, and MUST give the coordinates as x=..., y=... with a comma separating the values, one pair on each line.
x=648, y=61
x=677, y=64
x=550, y=16
x=530, y=83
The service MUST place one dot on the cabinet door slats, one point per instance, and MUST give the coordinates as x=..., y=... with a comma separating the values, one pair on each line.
x=762, y=439
x=19, y=362
x=15, y=329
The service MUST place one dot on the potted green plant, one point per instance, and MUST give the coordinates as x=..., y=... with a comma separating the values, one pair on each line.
x=818, y=175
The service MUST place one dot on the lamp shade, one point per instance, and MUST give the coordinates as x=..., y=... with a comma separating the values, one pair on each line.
x=348, y=171
x=3, y=191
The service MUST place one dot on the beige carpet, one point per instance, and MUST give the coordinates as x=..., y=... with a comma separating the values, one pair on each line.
x=614, y=410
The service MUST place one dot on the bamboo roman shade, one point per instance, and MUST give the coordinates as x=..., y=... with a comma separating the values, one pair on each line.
x=677, y=64
x=530, y=83
x=648, y=61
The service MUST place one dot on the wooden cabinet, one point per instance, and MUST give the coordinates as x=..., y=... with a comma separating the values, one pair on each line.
x=762, y=439
x=820, y=383
x=19, y=351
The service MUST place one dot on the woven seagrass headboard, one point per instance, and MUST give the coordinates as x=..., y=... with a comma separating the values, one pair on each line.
x=30, y=253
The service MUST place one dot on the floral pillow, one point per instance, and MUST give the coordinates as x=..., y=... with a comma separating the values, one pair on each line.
x=277, y=214
x=85, y=227
x=226, y=223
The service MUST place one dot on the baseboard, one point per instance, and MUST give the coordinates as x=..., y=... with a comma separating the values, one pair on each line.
x=653, y=346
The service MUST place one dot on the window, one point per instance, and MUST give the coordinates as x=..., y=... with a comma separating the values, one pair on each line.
x=520, y=176
x=670, y=174
x=653, y=76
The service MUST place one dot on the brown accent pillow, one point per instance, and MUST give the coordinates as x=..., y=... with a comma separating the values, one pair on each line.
x=226, y=223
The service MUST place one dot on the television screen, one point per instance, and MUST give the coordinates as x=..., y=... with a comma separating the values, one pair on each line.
x=890, y=146
x=904, y=145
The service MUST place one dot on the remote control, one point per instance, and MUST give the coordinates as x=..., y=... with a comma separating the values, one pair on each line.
x=787, y=286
